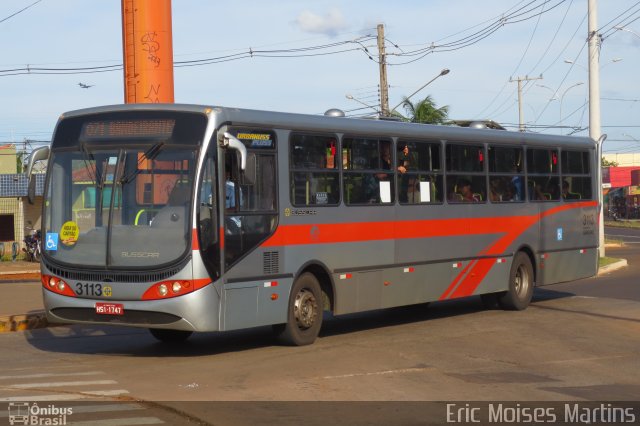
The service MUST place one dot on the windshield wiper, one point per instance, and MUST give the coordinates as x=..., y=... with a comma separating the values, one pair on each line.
x=149, y=154
x=89, y=164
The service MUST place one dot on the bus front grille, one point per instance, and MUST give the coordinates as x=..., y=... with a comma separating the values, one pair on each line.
x=113, y=276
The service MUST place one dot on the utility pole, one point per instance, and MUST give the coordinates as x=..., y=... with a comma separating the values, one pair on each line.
x=594, y=108
x=520, y=80
x=382, y=60
x=147, y=51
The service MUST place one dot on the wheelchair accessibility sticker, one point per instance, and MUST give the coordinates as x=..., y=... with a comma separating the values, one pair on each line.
x=51, y=242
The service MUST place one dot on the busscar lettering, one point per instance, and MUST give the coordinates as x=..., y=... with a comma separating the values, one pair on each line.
x=303, y=212
x=139, y=254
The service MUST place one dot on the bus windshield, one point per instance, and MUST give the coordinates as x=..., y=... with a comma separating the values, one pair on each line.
x=125, y=206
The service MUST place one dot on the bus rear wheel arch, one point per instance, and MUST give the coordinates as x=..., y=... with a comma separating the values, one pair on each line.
x=304, y=313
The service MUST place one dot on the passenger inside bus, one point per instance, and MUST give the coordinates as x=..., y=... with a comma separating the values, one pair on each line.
x=498, y=190
x=404, y=160
x=464, y=193
x=517, y=184
x=412, y=190
x=568, y=195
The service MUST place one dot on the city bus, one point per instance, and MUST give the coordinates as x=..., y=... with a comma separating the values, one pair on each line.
x=186, y=218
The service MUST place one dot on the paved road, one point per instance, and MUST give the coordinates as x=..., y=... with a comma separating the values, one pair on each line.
x=577, y=341
x=627, y=235
x=562, y=347
x=622, y=284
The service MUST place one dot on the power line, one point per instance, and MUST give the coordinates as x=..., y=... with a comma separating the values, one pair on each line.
x=20, y=11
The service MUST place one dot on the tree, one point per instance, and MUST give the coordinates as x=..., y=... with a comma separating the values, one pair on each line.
x=424, y=111
x=607, y=163
x=20, y=158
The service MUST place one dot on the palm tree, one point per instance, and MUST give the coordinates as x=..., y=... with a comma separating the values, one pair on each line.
x=424, y=111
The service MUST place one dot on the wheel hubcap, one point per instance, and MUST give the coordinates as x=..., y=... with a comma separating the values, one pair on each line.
x=521, y=280
x=305, y=309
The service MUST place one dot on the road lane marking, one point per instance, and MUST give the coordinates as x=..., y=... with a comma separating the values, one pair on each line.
x=95, y=408
x=379, y=373
x=61, y=384
x=41, y=398
x=120, y=422
x=115, y=392
x=64, y=396
x=42, y=375
x=622, y=235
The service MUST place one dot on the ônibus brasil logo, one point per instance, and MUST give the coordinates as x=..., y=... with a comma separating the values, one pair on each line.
x=25, y=413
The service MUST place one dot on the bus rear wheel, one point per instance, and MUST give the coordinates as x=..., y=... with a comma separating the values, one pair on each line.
x=304, y=316
x=170, y=336
x=520, y=290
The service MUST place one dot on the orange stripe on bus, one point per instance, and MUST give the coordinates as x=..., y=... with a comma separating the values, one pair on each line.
x=482, y=268
x=506, y=229
x=195, y=243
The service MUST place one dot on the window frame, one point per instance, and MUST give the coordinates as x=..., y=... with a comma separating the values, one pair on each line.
x=456, y=175
x=495, y=174
x=436, y=174
x=314, y=170
x=571, y=175
x=550, y=175
x=345, y=171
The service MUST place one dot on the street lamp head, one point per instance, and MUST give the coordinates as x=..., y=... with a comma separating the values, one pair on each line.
x=445, y=71
x=348, y=96
x=568, y=61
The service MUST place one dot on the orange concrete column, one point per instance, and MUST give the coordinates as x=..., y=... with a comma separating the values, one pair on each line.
x=148, y=51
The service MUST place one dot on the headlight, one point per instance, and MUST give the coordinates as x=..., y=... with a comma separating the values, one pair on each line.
x=163, y=290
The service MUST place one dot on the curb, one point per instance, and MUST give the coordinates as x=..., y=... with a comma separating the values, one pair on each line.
x=30, y=321
x=612, y=267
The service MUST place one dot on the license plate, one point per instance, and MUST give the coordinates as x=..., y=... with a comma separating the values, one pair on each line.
x=110, y=308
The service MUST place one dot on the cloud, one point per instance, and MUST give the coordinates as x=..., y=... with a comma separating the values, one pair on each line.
x=330, y=24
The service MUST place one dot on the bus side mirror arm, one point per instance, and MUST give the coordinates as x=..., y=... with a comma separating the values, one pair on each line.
x=38, y=154
x=230, y=141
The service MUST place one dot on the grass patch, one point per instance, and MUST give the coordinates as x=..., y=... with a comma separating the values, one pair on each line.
x=604, y=261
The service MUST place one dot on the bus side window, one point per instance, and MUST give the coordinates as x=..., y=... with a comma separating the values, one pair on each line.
x=314, y=175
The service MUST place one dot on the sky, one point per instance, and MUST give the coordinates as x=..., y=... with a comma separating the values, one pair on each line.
x=486, y=46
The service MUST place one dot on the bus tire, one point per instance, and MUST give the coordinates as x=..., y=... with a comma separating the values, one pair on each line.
x=170, y=336
x=520, y=289
x=304, y=316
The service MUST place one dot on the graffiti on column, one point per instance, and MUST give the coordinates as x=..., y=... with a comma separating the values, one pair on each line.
x=151, y=46
x=153, y=96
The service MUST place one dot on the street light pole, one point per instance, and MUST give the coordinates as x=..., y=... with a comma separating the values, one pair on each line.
x=570, y=62
x=562, y=97
x=594, y=109
x=620, y=28
x=443, y=72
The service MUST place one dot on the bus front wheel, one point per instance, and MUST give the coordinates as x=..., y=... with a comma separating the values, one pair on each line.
x=520, y=290
x=170, y=336
x=304, y=315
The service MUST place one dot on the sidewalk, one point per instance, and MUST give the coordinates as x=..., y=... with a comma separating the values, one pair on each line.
x=20, y=297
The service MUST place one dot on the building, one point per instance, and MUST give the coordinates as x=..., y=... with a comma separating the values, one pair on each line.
x=17, y=216
x=624, y=160
x=621, y=188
